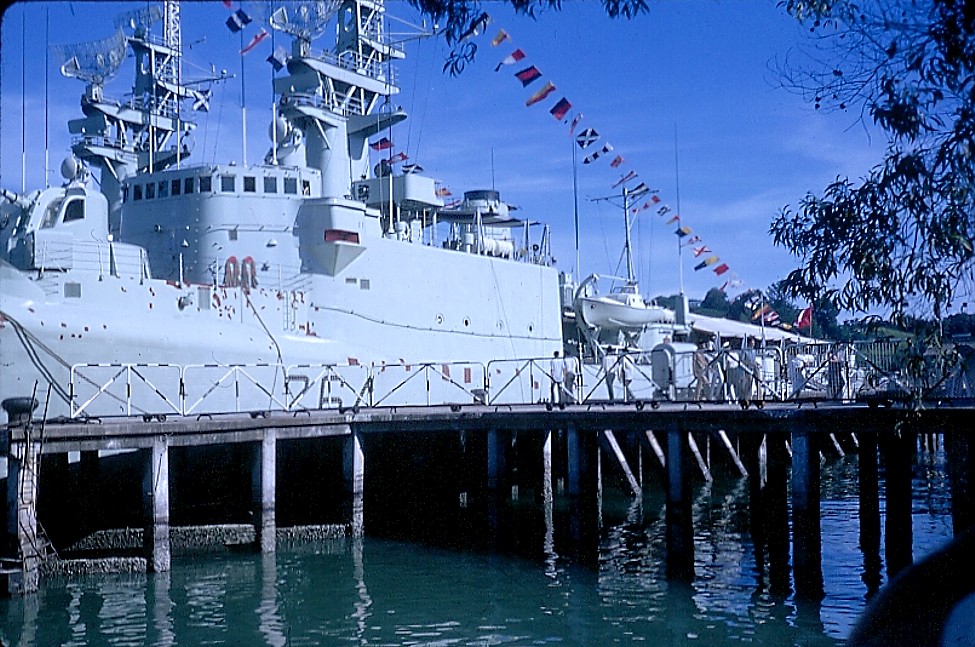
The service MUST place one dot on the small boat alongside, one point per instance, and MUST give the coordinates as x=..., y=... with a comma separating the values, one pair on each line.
x=622, y=309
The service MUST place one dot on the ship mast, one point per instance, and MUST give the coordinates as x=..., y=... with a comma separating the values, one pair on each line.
x=123, y=138
x=628, y=247
x=328, y=98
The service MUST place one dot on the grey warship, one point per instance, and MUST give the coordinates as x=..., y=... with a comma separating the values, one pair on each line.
x=141, y=295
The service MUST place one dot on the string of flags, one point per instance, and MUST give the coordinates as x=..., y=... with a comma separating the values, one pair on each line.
x=595, y=147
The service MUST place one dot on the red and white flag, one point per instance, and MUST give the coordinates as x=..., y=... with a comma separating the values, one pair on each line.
x=511, y=59
x=255, y=41
x=805, y=318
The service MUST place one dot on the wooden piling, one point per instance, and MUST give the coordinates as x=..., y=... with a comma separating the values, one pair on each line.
x=264, y=483
x=806, y=537
x=354, y=467
x=680, y=530
x=155, y=493
x=869, y=483
x=898, y=449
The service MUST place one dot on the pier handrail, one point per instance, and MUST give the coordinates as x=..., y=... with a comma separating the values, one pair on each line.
x=476, y=393
x=327, y=374
x=76, y=375
x=235, y=371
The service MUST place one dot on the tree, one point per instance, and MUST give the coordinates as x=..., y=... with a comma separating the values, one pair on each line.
x=715, y=303
x=460, y=20
x=778, y=298
x=901, y=237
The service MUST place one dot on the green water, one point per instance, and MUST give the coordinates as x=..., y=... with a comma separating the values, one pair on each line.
x=533, y=588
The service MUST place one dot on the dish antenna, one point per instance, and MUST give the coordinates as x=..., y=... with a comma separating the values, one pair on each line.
x=96, y=61
x=305, y=20
x=139, y=19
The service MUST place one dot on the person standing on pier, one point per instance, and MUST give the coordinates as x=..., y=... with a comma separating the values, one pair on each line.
x=627, y=369
x=609, y=368
x=702, y=362
x=557, y=371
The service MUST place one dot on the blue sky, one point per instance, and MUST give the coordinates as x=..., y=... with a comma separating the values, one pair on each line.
x=691, y=77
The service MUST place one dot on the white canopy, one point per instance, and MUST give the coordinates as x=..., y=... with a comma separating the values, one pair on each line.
x=727, y=329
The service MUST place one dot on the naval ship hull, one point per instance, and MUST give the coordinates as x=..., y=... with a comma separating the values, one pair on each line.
x=316, y=278
x=439, y=307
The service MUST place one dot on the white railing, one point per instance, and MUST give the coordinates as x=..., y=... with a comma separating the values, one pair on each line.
x=125, y=389
x=837, y=371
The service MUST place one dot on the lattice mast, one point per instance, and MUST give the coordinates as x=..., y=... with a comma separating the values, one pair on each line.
x=122, y=138
x=328, y=101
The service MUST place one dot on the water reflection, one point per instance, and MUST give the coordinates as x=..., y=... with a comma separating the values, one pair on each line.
x=544, y=575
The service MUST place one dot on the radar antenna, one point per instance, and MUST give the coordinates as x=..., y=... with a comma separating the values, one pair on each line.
x=94, y=62
x=306, y=20
x=139, y=19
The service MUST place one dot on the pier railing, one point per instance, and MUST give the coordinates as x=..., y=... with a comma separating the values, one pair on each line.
x=886, y=371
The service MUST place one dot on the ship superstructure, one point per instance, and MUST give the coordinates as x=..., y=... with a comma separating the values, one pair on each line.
x=312, y=257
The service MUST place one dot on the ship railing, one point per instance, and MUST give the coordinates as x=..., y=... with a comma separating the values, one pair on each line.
x=125, y=388
x=517, y=381
x=326, y=386
x=348, y=106
x=528, y=380
x=99, y=140
x=209, y=388
x=355, y=62
x=428, y=383
x=624, y=377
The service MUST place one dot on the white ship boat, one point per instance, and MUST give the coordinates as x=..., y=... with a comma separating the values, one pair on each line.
x=113, y=299
x=622, y=311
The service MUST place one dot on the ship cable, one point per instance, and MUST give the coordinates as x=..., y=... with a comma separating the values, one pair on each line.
x=397, y=324
x=504, y=313
x=277, y=349
x=28, y=341
x=31, y=343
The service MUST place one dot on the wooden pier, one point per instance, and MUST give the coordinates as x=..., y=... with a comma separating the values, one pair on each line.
x=473, y=452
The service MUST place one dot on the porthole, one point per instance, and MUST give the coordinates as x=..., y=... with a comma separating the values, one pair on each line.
x=439, y=319
x=531, y=327
x=467, y=321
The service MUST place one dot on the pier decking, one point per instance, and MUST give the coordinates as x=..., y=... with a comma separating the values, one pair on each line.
x=478, y=446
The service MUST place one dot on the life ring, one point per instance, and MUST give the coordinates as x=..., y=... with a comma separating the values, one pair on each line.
x=248, y=273
x=231, y=276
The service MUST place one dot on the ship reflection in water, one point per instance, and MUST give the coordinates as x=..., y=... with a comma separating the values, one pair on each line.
x=533, y=580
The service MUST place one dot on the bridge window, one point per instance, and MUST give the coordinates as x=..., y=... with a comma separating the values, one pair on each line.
x=74, y=211
x=125, y=193
x=270, y=185
x=228, y=183
x=291, y=185
x=150, y=191
x=51, y=214
x=136, y=191
x=164, y=189
x=177, y=185
x=250, y=184
x=305, y=187
x=206, y=184
x=188, y=185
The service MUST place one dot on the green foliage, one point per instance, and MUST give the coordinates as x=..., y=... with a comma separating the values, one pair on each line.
x=901, y=237
x=715, y=304
x=460, y=20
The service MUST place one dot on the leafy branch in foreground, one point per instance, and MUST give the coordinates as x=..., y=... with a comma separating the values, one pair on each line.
x=901, y=237
x=459, y=20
